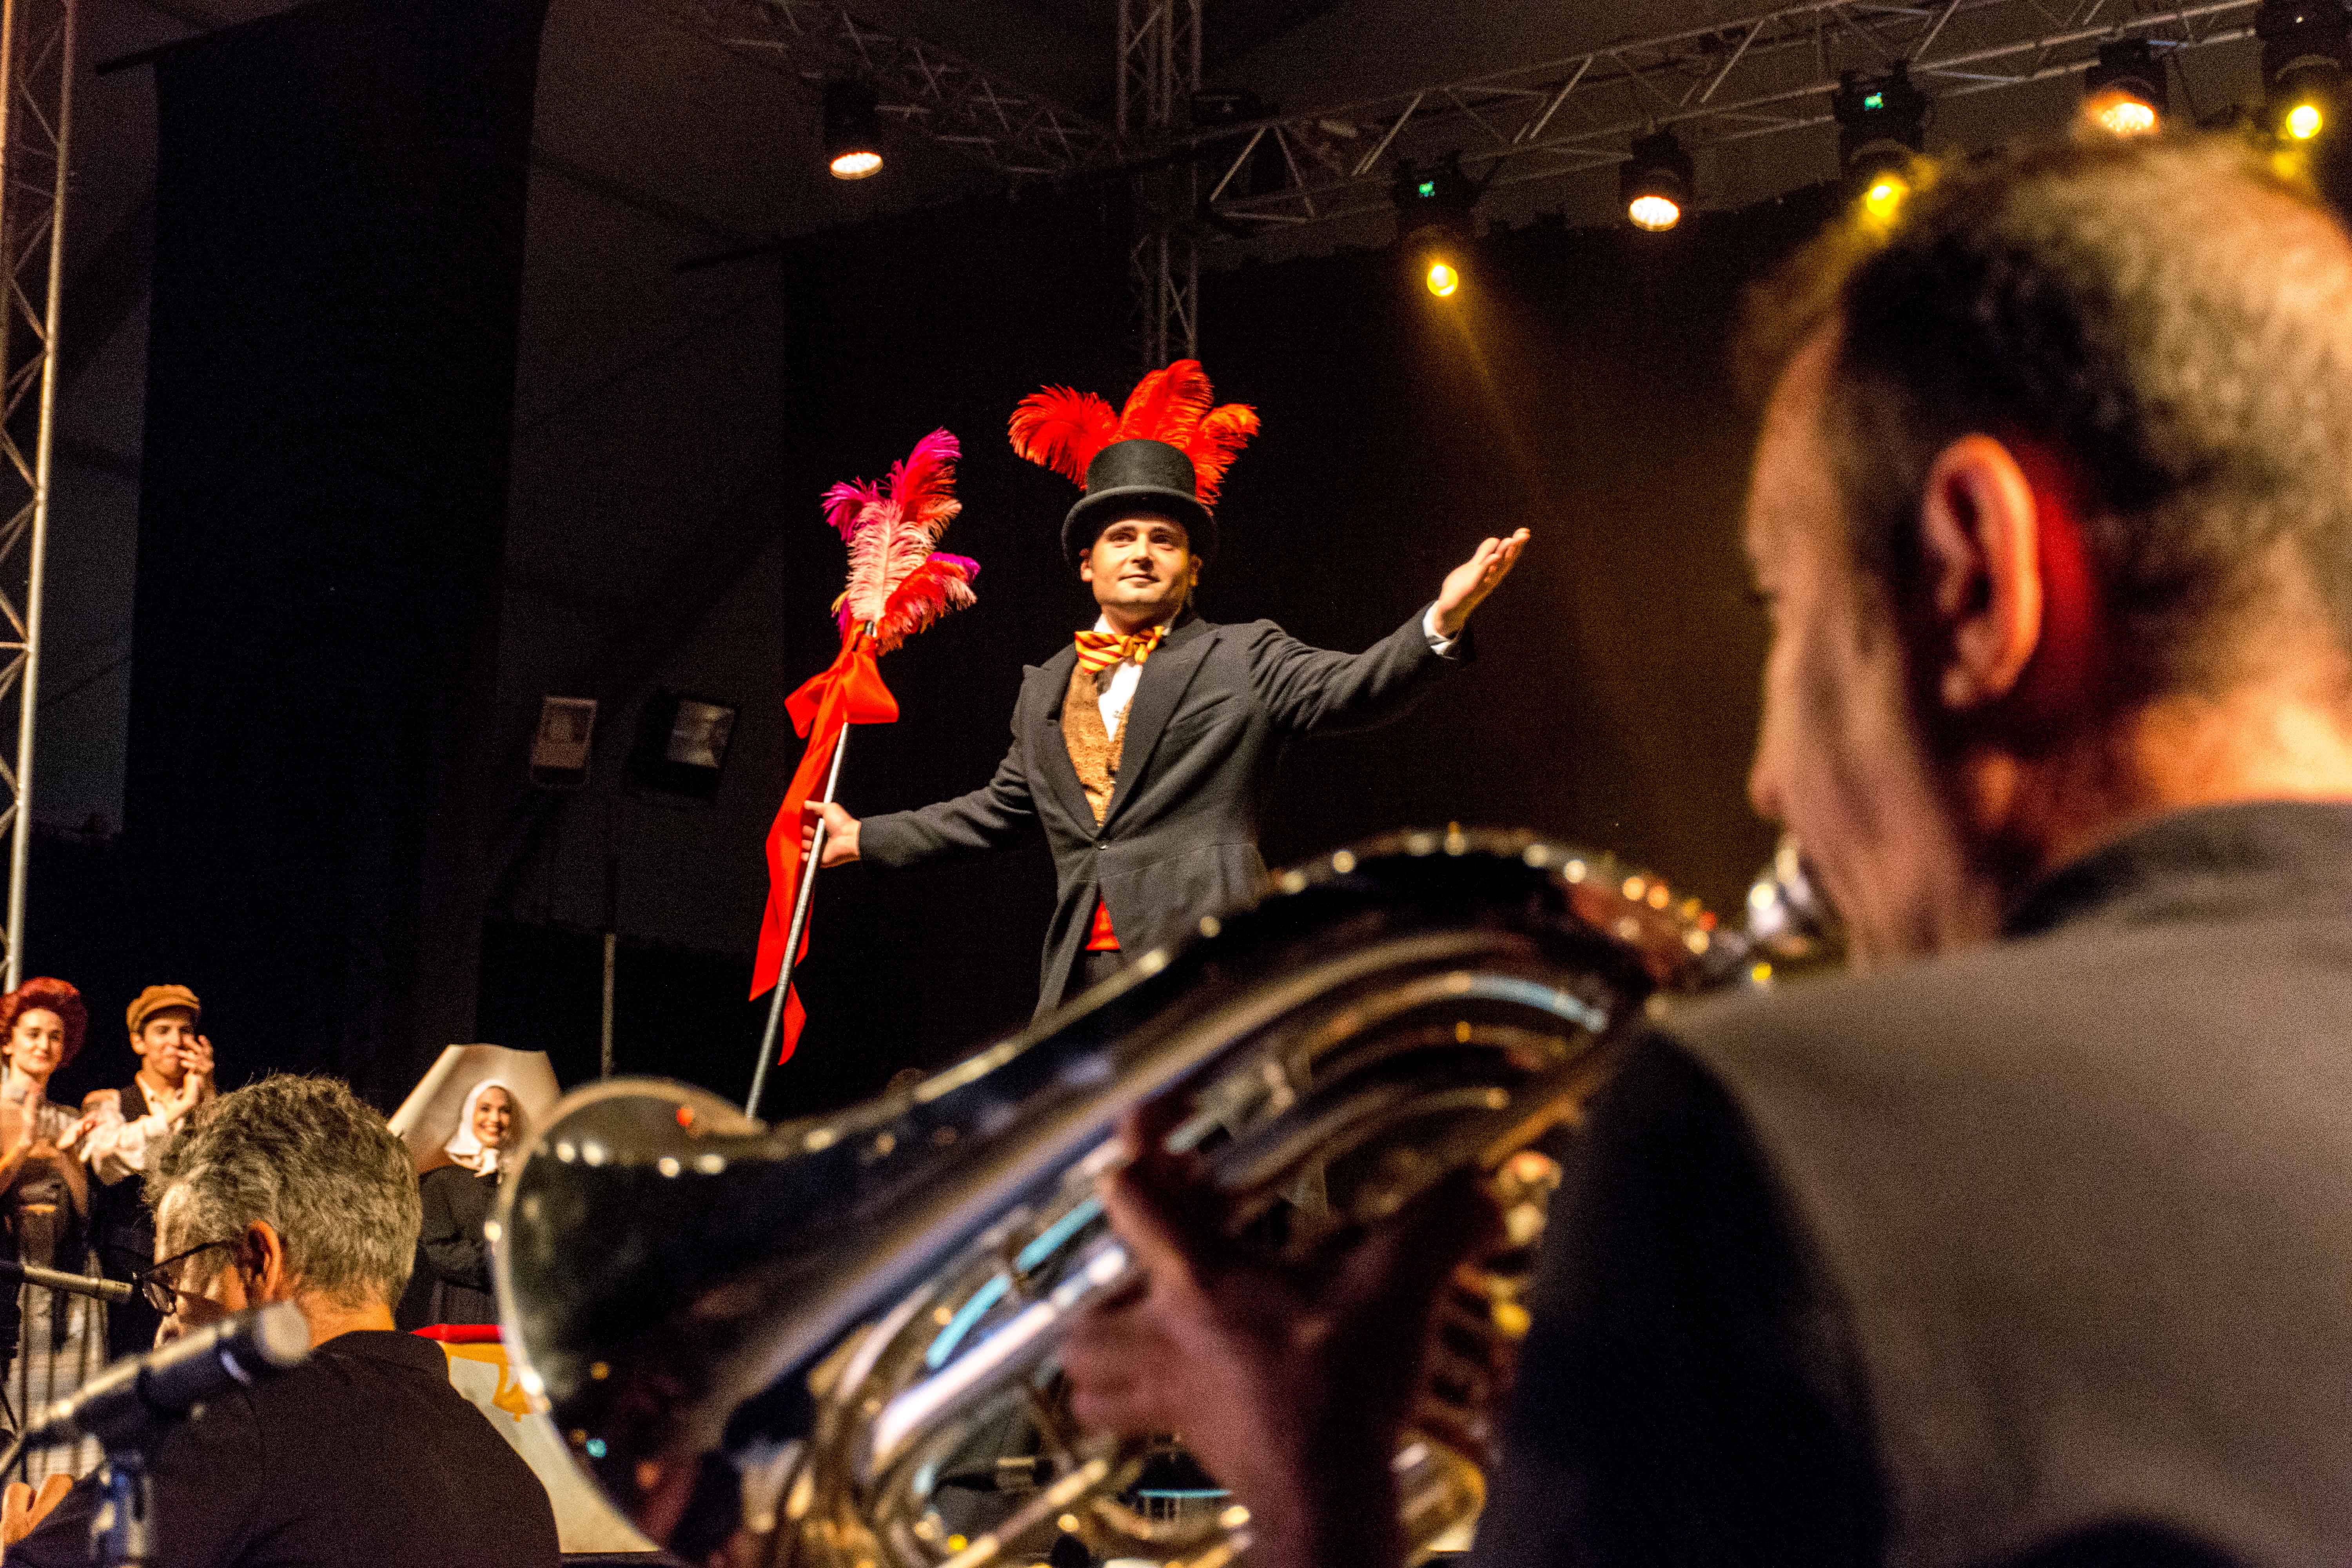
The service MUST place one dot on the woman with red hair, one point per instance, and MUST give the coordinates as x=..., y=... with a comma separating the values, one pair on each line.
x=44, y=1191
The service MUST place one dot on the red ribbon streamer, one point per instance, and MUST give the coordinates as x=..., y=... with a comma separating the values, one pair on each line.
x=849, y=690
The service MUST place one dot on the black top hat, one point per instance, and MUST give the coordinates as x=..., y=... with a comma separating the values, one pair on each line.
x=1138, y=477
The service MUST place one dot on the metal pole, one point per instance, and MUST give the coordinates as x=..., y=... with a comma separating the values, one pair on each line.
x=1125, y=48
x=792, y=940
x=604, y=1049
x=612, y=936
x=20, y=850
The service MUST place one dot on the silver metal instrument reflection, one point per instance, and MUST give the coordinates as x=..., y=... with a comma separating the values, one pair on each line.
x=876, y=1297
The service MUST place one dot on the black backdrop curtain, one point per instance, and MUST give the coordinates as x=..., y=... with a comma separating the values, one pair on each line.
x=339, y=210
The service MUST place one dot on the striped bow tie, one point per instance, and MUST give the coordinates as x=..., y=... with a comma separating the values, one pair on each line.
x=1098, y=651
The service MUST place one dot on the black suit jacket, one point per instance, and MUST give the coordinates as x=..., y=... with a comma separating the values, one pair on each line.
x=1213, y=710
x=2039, y=1252
x=362, y=1455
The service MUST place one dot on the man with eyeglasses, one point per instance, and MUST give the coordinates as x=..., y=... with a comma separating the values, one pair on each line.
x=292, y=1190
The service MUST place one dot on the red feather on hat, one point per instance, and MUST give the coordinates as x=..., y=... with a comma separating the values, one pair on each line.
x=1064, y=429
x=1223, y=433
x=897, y=580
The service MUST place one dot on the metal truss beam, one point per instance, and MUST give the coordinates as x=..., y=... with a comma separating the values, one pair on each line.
x=1765, y=75
x=37, y=69
x=1159, y=72
x=1007, y=129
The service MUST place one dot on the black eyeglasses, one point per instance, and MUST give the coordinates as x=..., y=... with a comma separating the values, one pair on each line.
x=160, y=1284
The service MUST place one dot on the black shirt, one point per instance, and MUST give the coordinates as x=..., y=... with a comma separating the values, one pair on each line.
x=364, y=1454
x=2039, y=1252
x=456, y=1205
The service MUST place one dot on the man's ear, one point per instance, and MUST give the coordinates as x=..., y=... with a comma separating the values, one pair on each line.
x=261, y=1253
x=1979, y=535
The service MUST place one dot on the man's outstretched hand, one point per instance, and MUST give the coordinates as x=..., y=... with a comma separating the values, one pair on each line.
x=1290, y=1385
x=840, y=832
x=1467, y=586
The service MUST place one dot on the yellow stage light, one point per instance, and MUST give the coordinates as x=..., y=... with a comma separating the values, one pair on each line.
x=856, y=166
x=2119, y=112
x=2303, y=121
x=1885, y=197
x=1656, y=214
x=1443, y=279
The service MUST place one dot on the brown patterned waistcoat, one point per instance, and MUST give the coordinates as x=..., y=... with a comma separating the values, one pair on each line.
x=1094, y=752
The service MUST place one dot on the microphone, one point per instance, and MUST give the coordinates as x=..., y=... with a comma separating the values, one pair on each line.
x=139, y=1395
x=56, y=1279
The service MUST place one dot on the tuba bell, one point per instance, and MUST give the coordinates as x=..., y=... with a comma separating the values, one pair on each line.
x=867, y=1304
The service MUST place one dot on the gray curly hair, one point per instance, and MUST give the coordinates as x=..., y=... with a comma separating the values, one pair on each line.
x=307, y=1155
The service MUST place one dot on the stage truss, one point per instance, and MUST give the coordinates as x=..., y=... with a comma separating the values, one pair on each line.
x=1159, y=72
x=1006, y=129
x=37, y=56
x=1204, y=191
x=1768, y=75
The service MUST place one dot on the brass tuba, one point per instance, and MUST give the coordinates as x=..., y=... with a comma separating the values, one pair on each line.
x=867, y=1304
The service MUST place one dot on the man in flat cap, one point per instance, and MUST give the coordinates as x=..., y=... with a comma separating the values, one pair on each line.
x=130, y=1127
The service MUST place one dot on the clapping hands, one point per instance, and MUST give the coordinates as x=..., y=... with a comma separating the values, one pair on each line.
x=195, y=1082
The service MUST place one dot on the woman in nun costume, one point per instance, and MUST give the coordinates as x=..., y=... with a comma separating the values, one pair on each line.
x=458, y=1199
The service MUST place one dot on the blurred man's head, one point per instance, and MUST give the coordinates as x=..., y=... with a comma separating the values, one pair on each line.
x=287, y=1190
x=163, y=1031
x=2053, y=515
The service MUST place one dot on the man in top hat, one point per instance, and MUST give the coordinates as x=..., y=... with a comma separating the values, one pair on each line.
x=129, y=1128
x=1144, y=750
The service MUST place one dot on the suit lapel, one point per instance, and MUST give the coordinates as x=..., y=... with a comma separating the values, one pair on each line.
x=1060, y=776
x=1166, y=675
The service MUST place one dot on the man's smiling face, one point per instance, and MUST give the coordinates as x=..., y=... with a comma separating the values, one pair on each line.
x=1141, y=570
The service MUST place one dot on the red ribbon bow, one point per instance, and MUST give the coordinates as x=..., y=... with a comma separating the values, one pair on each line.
x=849, y=690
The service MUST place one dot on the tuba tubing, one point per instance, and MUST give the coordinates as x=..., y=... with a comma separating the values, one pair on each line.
x=670, y=1274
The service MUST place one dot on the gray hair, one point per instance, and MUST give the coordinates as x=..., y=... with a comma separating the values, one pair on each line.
x=305, y=1155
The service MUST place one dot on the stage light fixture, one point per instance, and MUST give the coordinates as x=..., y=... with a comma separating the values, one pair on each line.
x=2124, y=94
x=1882, y=125
x=2307, y=51
x=853, y=144
x=1437, y=216
x=1884, y=197
x=681, y=744
x=558, y=749
x=1657, y=183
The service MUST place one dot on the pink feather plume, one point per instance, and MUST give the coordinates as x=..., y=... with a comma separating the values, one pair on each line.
x=892, y=528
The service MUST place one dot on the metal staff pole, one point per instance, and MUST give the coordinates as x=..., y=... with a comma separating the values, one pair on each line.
x=792, y=941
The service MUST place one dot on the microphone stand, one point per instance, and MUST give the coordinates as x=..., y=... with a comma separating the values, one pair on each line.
x=133, y=1406
x=122, y=1535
